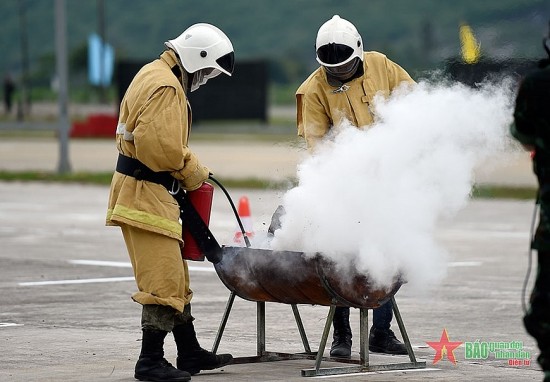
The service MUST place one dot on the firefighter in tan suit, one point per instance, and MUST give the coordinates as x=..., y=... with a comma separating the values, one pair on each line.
x=343, y=88
x=153, y=131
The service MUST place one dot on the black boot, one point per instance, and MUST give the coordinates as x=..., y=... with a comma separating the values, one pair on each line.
x=151, y=365
x=384, y=341
x=191, y=357
x=341, y=346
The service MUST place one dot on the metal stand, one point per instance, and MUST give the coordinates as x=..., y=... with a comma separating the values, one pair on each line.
x=261, y=354
x=362, y=364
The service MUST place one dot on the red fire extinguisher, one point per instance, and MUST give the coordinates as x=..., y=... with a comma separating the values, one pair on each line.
x=201, y=199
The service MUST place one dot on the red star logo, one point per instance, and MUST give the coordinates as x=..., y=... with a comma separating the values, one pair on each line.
x=444, y=347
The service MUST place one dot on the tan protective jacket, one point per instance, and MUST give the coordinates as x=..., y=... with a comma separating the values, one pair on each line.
x=319, y=107
x=154, y=126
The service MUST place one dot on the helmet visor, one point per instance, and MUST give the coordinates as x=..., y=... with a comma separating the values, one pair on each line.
x=332, y=54
x=227, y=62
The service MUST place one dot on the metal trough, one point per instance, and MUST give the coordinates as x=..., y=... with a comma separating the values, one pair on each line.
x=293, y=278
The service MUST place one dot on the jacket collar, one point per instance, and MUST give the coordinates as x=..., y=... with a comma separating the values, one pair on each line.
x=171, y=59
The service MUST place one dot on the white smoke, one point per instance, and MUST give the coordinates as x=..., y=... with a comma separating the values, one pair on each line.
x=373, y=197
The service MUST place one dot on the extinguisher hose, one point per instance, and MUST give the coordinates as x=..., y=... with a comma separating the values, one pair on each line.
x=247, y=242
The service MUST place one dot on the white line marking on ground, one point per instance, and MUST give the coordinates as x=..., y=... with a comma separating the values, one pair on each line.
x=80, y=281
x=6, y=324
x=118, y=264
x=465, y=264
x=376, y=372
x=125, y=264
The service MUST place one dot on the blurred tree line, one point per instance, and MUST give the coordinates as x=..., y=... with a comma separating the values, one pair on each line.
x=420, y=35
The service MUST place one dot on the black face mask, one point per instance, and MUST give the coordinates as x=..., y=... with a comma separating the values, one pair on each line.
x=338, y=78
x=344, y=72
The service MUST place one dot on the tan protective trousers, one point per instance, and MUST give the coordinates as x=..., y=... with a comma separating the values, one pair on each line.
x=162, y=276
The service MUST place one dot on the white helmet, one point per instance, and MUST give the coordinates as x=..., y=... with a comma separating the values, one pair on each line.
x=204, y=46
x=338, y=43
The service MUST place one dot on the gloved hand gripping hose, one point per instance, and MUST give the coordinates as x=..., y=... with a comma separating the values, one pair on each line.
x=246, y=240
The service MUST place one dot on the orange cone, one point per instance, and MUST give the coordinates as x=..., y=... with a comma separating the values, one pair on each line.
x=246, y=219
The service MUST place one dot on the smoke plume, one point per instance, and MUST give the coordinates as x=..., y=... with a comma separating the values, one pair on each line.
x=373, y=197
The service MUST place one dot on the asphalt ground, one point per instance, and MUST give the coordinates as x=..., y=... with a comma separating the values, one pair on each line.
x=65, y=282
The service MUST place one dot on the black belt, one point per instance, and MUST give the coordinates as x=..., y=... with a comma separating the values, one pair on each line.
x=134, y=168
x=189, y=216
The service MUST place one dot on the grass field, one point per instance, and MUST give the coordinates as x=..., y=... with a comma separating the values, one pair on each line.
x=104, y=178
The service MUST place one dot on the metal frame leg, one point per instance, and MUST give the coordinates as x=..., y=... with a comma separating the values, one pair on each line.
x=260, y=328
x=221, y=329
x=323, y=342
x=301, y=328
x=364, y=336
x=404, y=334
